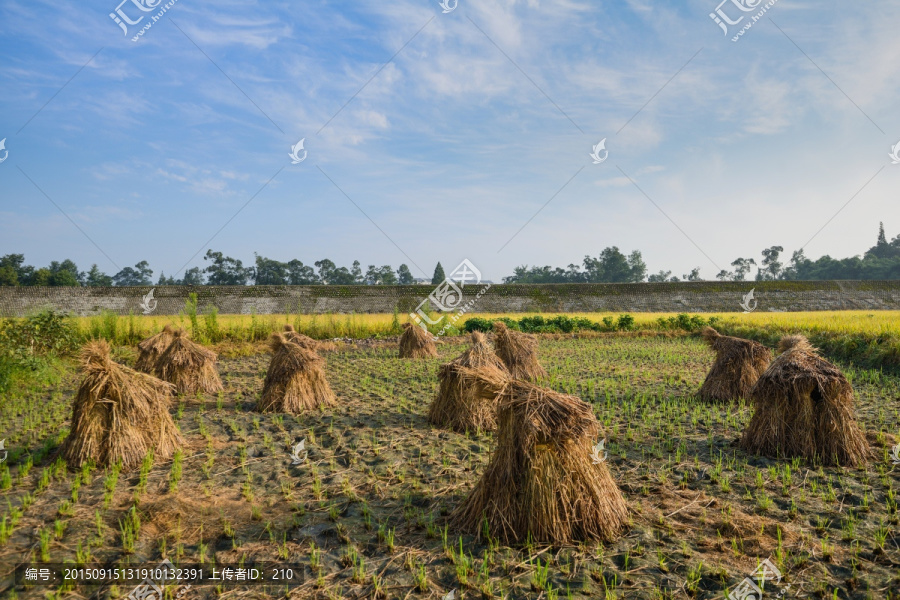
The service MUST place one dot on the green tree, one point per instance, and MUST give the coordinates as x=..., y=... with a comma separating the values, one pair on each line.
x=225, y=270
x=65, y=273
x=356, y=273
x=614, y=267
x=40, y=277
x=438, y=276
x=300, y=274
x=405, y=276
x=8, y=275
x=12, y=271
x=742, y=268
x=771, y=266
x=661, y=277
x=326, y=270
x=97, y=278
x=380, y=275
x=270, y=272
x=694, y=275
x=139, y=275
x=193, y=276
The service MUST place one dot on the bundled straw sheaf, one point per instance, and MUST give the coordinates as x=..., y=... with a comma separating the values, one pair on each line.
x=416, y=343
x=296, y=379
x=458, y=405
x=305, y=341
x=150, y=349
x=518, y=351
x=118, y=414
x=804, y=407
x=738, y=365
x=190, y=367
x=541, y=480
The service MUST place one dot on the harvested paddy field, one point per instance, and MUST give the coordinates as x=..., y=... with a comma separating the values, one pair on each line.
x=365, y=512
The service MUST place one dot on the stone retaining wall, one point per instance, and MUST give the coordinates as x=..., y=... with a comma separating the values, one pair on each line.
x=701, y=296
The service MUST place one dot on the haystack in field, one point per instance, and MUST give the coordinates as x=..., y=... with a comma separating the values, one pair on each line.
x=416, y=343
x=738, y=365
x=118, y=414
x=542, y=480
x=190, y=367
x=296, y=379
x=518, y=351
x=458, y=405
x=803, y=407
x=150, y=349
x=307, y=342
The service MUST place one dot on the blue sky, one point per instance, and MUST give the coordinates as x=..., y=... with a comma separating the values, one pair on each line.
x=485, y=114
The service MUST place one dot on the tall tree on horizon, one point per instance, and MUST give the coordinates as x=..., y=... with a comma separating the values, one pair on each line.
x=438, y=276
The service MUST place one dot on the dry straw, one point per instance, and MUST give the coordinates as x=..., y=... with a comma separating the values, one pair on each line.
x=541, y=482
x=296, y=379
x=416, y=343
x=803, y=407
x=305, y=341
x=119, y=414
x=190, y=367
x=458, y=405
x=518, y=351
x=738, y=365
x=150, y=349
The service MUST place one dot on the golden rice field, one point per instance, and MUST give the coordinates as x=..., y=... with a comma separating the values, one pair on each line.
x=873, y=323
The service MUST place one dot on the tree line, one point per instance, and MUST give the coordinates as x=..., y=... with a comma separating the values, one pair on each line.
x=881, y=261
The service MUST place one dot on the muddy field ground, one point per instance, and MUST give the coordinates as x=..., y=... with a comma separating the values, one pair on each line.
x=364, y=514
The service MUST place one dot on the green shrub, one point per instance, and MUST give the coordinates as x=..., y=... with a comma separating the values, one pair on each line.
x=685, y=322
x=625, y=323
x=45, y=333
x=28, y=345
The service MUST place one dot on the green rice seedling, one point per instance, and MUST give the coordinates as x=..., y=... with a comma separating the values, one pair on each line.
x=175, y=471
x=45, y=535
x=693, y=578
x=129, y=529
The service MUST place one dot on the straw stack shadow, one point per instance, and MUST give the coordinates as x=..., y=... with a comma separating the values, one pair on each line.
x=150, y=349
x=188, y=366
x=416, y=343
x=458, y=406
x=738, y=365
x=518, y=351
x=541, y=480
x=804, y=407
x=119, y=414
x=295, y=381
